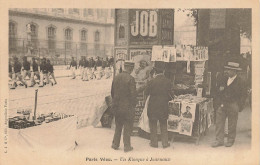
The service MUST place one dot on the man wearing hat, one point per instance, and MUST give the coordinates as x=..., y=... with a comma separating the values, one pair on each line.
x=124, y=94
x=17, y=70
x=35, y=72
x=159, y=89
x=230, y=98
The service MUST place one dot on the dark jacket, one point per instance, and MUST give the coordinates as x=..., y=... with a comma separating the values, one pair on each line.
x=81, y=63
x=17, y=67
x=35, y=66
x=98, y=63
x=86, y=64
x=92, y=63
x=26, y=65
x=73, y=64
x=49, y=67
x=124, y=94
x=44, y=68
x=160, y=93
x=234, y=93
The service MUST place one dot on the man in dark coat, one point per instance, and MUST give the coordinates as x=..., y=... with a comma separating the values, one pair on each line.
x=159, y=89
x=35, y=72
x=123, y=94
x=50, y=71
x=17, y=71
x=230, y=99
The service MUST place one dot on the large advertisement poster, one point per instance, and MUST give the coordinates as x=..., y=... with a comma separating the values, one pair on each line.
x=143, y=65
x=144, y=26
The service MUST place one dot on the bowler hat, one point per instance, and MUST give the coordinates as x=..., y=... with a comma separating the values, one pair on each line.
x=232, y=66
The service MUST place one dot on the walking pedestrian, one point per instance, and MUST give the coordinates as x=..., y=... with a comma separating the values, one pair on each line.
x=35, y=72
x=86, y=70
x=73, y=67
x=98, y=68
x=123, y=94
x=50, y=71
x=43, y=73
x=81, y=66
x=159, y=89
x=230, y=99
x=17, y=72
x=92, y=64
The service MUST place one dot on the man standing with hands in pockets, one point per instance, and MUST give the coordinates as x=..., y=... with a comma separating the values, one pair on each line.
x=124, y=94
x=230, y=100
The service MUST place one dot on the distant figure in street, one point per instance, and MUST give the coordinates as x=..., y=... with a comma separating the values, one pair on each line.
x=230, y=99
x=111, y=61
x=159, y=89
x=86, y=70
x=26, y=68
x=98, y=67
x=187, y=114
x=50, y=71
x=17, y=72
x=35, y=72
x=81, y=66
x=44, y=73
x=92, y=65
x=73, y=67
x=124, y=94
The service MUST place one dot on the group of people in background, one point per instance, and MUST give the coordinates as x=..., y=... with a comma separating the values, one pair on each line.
x=92, y=69
x=37, y=70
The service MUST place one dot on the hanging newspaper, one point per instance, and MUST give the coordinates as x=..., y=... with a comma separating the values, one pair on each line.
x=157, y=53
x=171, y=52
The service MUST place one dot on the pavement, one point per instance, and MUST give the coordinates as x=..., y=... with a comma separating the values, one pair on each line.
x=73, y=95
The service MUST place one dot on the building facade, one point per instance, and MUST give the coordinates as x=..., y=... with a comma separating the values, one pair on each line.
x=61, y=33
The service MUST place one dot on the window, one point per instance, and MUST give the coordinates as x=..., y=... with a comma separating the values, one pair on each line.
x=12, y=29
x=12, y=35
x=121, y=31
x=68, y=38
x=97, y=36
x=51, y=38
x=33, y=30
x=83, y=35
x=68, y=34
x=34, y=35
x=51, y=32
